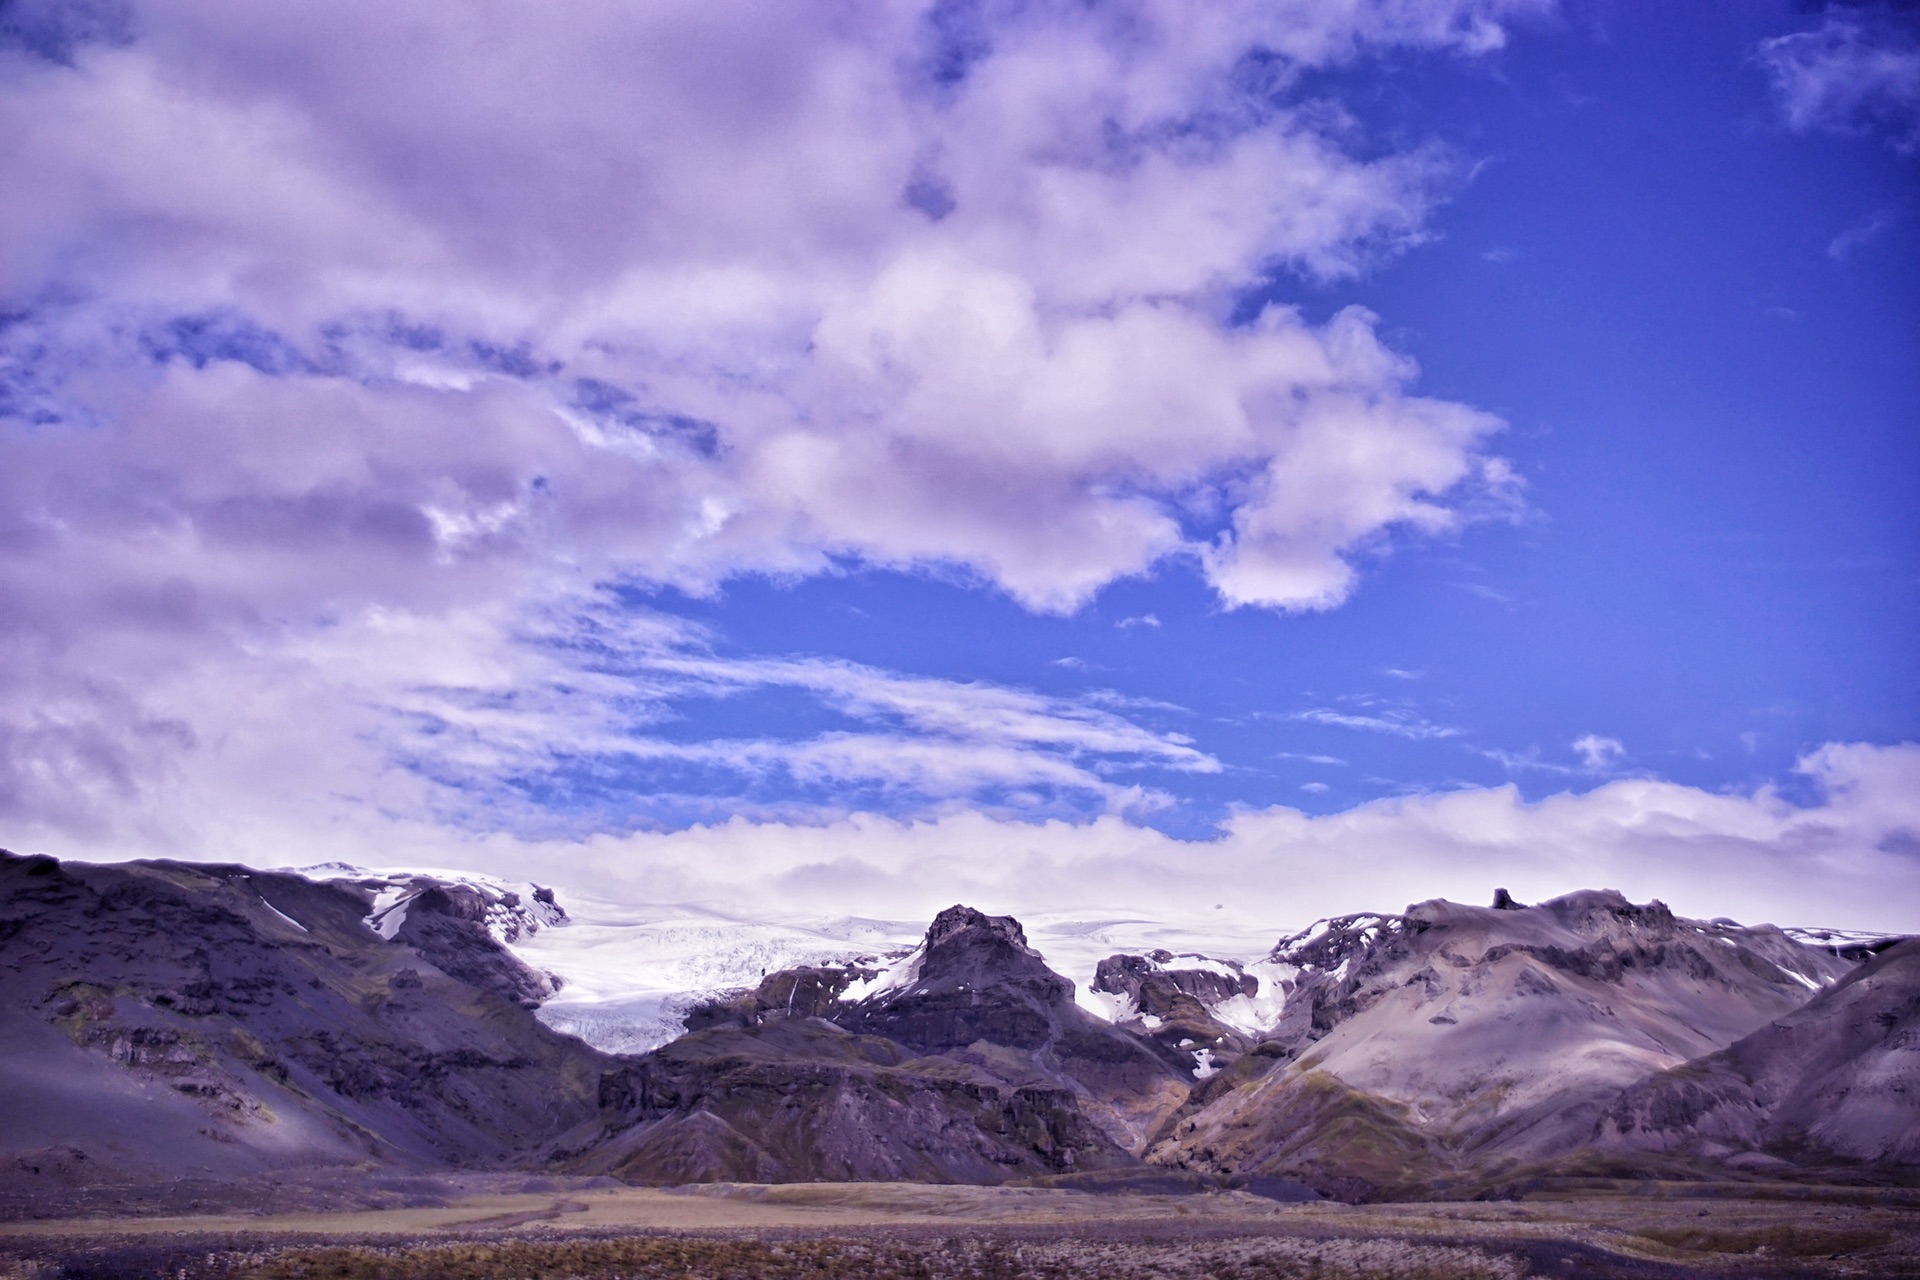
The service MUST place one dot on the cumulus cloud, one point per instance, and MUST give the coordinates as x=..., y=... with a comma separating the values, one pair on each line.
x=1754, y=856
x=314, y=322
x=1853, y=71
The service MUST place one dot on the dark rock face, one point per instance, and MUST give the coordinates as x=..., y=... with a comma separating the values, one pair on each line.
x=1155, y=982
x=977, y=980
x=806, y=992
x=1173, y=1003
x=448, y=925
x=975, y=1067
x=803, y=1100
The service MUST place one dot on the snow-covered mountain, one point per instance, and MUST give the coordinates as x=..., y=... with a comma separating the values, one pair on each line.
x=626, y=975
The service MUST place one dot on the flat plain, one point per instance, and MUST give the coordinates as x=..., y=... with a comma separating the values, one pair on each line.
x=486, y=1226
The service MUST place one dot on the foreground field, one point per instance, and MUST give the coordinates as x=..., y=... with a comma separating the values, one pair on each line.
x=733, y=1232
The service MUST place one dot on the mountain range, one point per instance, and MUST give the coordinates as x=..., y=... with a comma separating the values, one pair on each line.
x=163, y=1020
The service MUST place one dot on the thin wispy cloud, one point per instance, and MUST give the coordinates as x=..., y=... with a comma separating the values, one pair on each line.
x=1854, y=71
x=1857, y=236
x=1400, y=724
x=1310, y=759
x=588, y=698
x=1524, y=762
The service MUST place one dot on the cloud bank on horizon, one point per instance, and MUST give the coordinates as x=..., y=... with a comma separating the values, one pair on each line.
x=382, y=390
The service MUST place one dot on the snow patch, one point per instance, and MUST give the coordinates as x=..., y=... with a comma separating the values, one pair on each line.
x=283, y=915
x=390, y=910
x=1800, y=978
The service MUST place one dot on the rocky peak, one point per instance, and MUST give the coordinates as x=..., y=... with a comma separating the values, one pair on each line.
x=449, y=927
x=975, y=978
x=958, y=920
x=507, y=912
x=968, y=946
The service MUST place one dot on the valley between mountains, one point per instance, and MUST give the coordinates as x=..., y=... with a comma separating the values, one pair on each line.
x=220, y=1025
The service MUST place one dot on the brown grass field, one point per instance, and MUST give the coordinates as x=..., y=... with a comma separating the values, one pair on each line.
x=887, y=1231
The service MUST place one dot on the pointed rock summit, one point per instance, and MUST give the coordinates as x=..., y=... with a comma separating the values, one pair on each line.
x=974, y=978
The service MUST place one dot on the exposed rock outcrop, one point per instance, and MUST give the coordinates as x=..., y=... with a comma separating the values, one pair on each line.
x=1175, y=1001
x=802, y=1099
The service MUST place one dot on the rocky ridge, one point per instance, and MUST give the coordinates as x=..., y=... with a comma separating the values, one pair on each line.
x=165, y=1018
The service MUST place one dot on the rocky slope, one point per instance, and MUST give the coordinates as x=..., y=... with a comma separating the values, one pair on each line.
x=1834, y=1083
x=166, y=1020
x=1454, y=1045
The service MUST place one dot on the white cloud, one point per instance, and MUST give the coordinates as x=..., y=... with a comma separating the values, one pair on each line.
x=1527, y=761
x=1852, y=72
x=1844, y=245
x=1755, y=857
x=706, y=217
x=417, y=318
x=582, y=715
x=1597, y=753
x=1398, y=723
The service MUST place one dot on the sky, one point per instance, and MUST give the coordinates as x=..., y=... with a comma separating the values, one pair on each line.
x=1267, y=458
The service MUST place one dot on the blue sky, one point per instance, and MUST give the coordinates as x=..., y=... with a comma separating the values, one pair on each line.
x=726, y=454
x=1714, y=411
